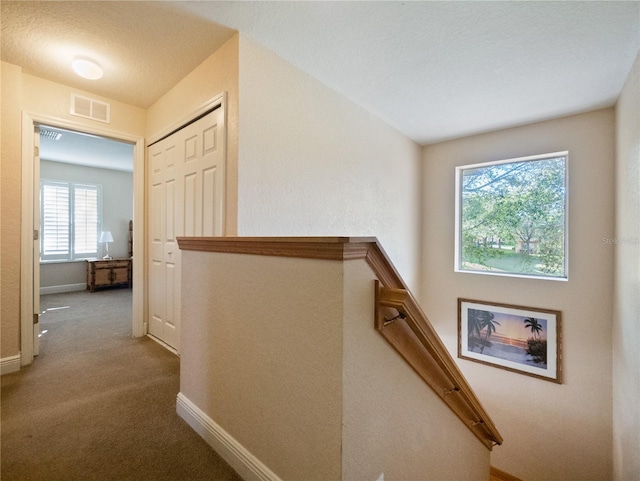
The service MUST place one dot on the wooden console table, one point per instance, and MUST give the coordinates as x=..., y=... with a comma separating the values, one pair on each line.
x=108, y=273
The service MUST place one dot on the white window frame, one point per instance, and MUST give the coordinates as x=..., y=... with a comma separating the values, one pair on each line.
x=71, y=254
x=460, y=171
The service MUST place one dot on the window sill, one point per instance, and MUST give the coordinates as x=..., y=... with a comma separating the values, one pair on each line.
x=64, y=261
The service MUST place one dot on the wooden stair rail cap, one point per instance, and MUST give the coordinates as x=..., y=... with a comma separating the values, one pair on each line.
x=412, y=336
x=329, y=248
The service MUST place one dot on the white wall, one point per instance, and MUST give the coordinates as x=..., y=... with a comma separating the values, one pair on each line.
x=117, y=211
x=626, y=321
x=310, y=162
x=551, y=431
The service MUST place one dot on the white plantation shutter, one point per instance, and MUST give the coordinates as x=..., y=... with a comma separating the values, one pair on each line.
x=55, y=227
x=85, y=221
x=70, y=216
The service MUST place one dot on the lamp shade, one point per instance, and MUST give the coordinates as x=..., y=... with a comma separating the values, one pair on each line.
x=105, y=236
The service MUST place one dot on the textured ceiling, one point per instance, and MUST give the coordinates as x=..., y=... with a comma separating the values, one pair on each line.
x=143, y=48
x=440, y=70
x=433, y=70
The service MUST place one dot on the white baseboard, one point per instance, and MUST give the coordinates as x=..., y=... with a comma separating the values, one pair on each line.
x=82, y=286
x=10, y=364
x=238, y=457
x=163, y=344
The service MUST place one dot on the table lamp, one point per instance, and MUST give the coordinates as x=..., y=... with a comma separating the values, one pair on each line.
x=106, y=238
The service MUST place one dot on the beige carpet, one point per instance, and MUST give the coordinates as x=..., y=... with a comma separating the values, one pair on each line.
x=98, y=404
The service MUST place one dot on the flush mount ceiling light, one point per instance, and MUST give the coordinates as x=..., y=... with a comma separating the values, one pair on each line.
x=87, y=68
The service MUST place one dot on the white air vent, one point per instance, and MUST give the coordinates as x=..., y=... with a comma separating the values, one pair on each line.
x=90, y=109
x=50, y=134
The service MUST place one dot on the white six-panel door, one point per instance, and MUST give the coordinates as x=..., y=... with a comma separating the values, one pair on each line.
x=186, y=198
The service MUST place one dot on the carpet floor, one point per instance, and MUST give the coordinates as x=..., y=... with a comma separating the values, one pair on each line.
x=98, y=404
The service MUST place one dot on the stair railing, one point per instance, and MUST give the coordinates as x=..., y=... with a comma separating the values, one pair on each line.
x=398, y=317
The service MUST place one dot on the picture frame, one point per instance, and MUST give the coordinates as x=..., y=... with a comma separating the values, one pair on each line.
x=520, y=339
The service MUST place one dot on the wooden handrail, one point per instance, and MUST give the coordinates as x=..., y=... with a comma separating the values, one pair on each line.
x=410, y=333
x=402, y=323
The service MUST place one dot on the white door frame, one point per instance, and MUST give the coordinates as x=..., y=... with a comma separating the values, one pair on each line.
x=220, y=99
x=27, y=261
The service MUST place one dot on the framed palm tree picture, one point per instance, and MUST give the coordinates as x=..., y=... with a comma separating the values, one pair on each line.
x=521, y=339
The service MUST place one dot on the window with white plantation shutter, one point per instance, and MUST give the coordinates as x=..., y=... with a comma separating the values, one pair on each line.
x=54, y=214
x=70, y=220
x=85, y=221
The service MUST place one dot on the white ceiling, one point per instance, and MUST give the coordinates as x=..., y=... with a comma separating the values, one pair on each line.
x=85, y=149
x=433, y=70
x=441, y=70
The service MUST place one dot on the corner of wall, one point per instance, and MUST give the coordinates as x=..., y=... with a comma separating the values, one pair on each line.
x=626, y=317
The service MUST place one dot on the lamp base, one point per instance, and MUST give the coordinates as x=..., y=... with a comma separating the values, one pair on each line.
x=107, y=257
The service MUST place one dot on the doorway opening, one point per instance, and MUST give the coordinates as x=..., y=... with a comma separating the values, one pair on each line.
x=70, y=264
x=86, y=215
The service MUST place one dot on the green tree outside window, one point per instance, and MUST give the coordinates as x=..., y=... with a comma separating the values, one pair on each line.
x=512, y=217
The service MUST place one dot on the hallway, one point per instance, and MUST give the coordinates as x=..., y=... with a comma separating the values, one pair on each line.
x=98, y=404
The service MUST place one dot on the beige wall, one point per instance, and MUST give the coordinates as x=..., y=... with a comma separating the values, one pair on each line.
x=52, y=99
x=551, y=431
x=313, y=163
x=261, y=355
x=217, y=74
x=283, y=355
x=393, y=423
x=626, y=321
x=10, y=215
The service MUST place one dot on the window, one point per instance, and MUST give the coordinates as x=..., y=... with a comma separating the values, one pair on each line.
x=69, y=220
x=511, y=217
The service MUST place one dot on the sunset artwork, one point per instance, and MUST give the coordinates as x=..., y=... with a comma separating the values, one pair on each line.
x=514, y=338
x=511, y=338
